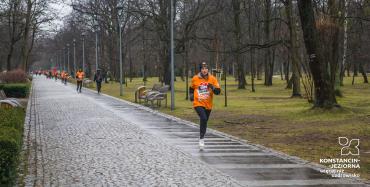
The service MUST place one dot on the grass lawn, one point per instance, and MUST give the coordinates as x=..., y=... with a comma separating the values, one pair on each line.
x=271, y=118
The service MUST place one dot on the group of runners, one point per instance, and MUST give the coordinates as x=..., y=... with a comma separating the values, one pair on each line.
x=203, y=87
x=64, y=76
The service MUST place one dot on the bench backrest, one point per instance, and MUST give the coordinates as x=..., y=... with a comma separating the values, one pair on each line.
x=2, y=94
x=164, y=89
x=156, y=87
x=140, y=90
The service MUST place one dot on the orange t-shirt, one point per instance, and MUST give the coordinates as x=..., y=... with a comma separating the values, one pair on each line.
x=80, y=75
x=203, y=95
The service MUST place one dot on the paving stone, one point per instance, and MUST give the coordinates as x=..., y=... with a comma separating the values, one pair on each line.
x=81, y=143
x=97, y=140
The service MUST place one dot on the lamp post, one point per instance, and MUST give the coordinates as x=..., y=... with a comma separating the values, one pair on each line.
x=172, y=60
x=96, y=43
x=74, y=56
x=58, y=60
x=68, y=70
x=120, y=53
x=83, y=52
x=64, y=58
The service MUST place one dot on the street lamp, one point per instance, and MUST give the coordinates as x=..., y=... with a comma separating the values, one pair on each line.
x=120, y=53
x=69, y=72
x=83, y=52
x=74, y=56
x=96, y=43
x=172, y=61
x=58, y=59
x=64, y=58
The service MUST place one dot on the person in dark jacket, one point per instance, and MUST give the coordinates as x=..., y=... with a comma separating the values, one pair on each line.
x=98, y=78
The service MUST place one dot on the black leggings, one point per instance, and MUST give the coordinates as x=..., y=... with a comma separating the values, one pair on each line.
x=98, y=86
x=203, y=114
x=79, y=86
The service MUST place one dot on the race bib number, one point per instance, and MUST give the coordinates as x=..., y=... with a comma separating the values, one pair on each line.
x=203, y=92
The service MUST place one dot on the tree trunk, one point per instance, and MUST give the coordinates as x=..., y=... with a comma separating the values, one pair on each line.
x=287, y=70
x=294, y=50
x=130, y=66
x=289, y=84
x=282, y=71
x=355, y=69
x=267, y=57
x=25, y=37
x=324, y=91
x=363, y=73
x=144, y=57
x=353, y=75
x=186, y=59
x=13, y=32
x=31, y=45
x=345, y=39
x=237, y=34
x=348, y=67
x=9, y=57
x=251, y=39
x=259, y=63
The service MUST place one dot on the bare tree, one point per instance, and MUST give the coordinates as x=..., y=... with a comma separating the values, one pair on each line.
x=293, y=48
x=14, y=24
x=321, y=41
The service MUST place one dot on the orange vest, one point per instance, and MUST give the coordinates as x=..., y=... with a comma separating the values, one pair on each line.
x=80, y=75
x=203, y=95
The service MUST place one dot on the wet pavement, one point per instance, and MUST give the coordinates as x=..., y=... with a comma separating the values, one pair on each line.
x=97, y=140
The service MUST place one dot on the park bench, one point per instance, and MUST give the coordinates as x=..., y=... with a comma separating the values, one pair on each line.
x=140, y=94
x=87, y=83
x=155, y=88
x=158, y=96
x=8, y=102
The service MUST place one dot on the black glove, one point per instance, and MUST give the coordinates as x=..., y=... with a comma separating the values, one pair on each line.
x=211, y=86
x=191, y=94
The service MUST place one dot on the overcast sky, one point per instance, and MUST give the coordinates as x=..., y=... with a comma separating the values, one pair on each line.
x=61, y=9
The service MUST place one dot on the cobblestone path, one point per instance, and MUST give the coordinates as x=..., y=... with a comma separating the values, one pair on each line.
x=87, y=139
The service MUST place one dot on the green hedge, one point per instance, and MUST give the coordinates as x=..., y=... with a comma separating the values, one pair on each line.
x=11, y=131
x=15, y=90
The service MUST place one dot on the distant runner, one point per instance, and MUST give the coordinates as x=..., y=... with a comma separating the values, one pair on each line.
x=98, y=78
x=80, y=75
x=65, y=77
x=203, y=86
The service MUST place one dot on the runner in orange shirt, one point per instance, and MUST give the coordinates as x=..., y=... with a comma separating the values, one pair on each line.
x=80, y=75
x=203, y=86
x=63, y=76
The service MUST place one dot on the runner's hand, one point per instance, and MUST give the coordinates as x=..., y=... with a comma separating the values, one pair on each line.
x=211, y=86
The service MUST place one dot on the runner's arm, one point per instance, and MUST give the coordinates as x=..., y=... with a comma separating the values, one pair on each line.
x=191, y=91
x=216, y=87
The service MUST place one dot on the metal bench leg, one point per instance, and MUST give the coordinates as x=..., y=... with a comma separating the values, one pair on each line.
x=152, y=103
